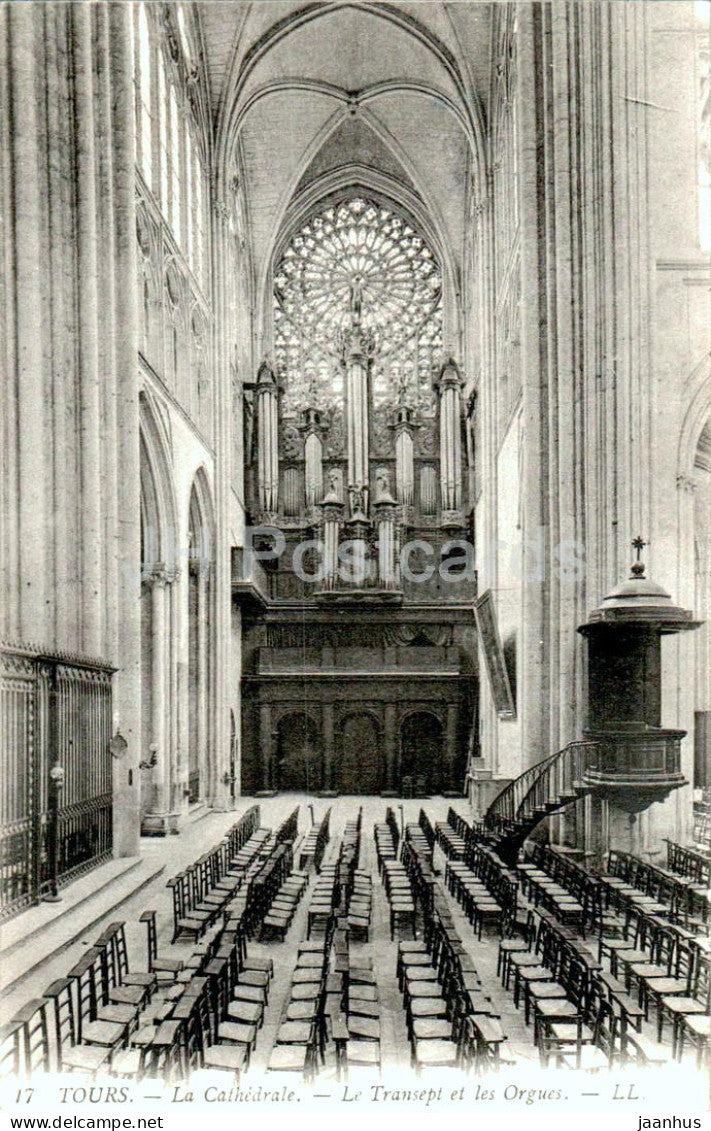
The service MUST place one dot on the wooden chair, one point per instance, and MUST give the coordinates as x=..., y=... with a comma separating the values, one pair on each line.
x=637, y=1049
x=118, y=991
x=481, y=1044
x=696, y=1030
x=164, y=968
x=678, y=1005
x=678, y=982
x=72, y=1053
x=11, y=1064
x=186, y=922
x=31, y=1026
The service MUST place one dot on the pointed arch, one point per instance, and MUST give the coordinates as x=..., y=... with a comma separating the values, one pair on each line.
x=698, y=412
x=201, y=518
x=295, y=208
x=159, y=515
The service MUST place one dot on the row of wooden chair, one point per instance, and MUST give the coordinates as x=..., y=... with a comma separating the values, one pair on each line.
x=360, y=906
x=288, y=830
x=211, y=1017
x=670, y=971
x=400, y=897
x=451, y=1019
x=459, y=825
x=452, y=843
x=314, y=844
x=427, y=828
x=386, y=841
x=565, y=891
x=581, y=1017
x=201, y=891
x=359, y=1006
x=301, y=1035
x=688, y=861
x=282, y=909
x=264, y=884
x=682, y=900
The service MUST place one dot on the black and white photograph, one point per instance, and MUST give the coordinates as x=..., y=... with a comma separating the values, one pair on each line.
x=355, y=711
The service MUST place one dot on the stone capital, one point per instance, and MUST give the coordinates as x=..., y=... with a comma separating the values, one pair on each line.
x=159, y=574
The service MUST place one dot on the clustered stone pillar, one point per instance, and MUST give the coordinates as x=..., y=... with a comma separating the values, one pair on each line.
x=268, y=456
x=67, y=165
x=203, y=620
x=450, y=443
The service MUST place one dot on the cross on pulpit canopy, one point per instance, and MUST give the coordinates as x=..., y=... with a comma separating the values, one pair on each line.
x=638, y=544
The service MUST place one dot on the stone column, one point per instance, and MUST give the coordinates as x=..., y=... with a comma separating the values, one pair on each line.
x=28, y=620
x=450, y=748
x=265, y=743
x=223, y=670
x=90, y=423
x=390, y=735
x=157, y=822
x=450, y=444
x=176, y=786
x=535, y=656
x=126, y=538
x=327, y=724
x=158, y=730
x=200, y=570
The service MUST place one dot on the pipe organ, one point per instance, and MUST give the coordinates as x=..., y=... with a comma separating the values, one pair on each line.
x=420, y=452
x=357, y=647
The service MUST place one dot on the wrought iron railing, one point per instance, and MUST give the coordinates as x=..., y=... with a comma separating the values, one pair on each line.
x=542, y=787
x=193, y=787
x=55, y=712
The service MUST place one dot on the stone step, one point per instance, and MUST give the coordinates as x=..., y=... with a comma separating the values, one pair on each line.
x=36, y=936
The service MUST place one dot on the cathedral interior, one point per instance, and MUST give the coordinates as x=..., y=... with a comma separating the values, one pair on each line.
x=356, y=538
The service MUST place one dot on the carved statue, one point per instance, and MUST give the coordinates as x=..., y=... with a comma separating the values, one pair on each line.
x=382, y=483
x=356, y=300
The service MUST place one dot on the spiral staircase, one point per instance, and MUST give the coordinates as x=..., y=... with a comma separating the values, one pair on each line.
x=544, y=788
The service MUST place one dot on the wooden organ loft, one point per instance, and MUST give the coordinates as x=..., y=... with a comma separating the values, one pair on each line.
x=359, y=654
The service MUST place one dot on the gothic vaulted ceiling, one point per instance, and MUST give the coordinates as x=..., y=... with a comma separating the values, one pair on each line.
x=391, y=94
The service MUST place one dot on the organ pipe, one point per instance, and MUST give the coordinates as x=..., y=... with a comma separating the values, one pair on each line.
x=268, y=438
x=357, y=351
x=450, y=443
x=313, y=457
x=404, y=458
